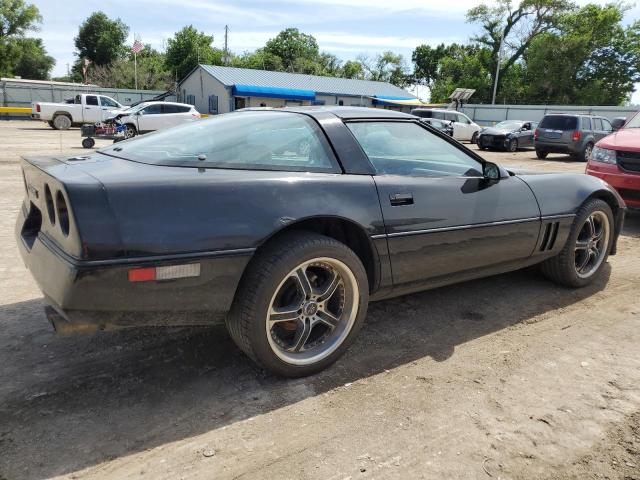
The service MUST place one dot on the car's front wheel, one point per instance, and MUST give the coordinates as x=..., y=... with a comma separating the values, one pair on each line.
x=300, y=304
x=130, y=131
x=474, y=137
x=512, y=146
x=587, y=247
x=541, y=154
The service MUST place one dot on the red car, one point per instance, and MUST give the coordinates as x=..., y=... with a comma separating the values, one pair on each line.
x=616, y=160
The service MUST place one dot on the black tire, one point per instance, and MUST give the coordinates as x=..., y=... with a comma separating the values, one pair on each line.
x=88, y=142
x=247, y=319
x=130, y=131
x=512, y=146
x=474, y=137
x=586, y=153
x=50, y=123
x=541, y=154
x=562, y=268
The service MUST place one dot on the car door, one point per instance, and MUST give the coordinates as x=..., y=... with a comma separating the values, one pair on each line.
x=92, y=111
x=150, y=118
x=607, y=128
x=442, y=217
x=525, y=135
x=108, y=105
x=459, y=129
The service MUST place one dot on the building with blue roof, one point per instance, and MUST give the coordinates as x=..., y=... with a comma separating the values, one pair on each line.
x=215, y=89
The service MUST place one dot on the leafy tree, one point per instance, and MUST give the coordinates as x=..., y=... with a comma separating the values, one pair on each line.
x=514, y=27
x=101, y=39
x=152, y=72
x=16, y=19
x=33, y=63
x=188, y=48
x=386, y=67
x=352, y=69
x=258, y=60
x=291, y=45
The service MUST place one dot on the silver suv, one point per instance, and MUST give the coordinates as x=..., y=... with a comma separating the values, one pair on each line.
x=574, y=134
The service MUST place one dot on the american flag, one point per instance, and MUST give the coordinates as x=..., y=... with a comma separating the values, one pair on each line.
x=137, y=46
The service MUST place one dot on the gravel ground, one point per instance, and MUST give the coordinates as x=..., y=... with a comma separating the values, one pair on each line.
x=505, y=377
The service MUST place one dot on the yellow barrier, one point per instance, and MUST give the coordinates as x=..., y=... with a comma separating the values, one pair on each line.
x=15, y=110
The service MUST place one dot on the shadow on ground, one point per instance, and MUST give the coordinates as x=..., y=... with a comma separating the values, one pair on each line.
x=69, y=403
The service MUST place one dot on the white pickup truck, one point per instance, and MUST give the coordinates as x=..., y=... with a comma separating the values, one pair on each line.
x=85, y=108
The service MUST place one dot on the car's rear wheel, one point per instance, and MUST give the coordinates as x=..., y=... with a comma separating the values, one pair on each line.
x=512, y=146
x=586, y=153
x=541, y=154
x=586, y=249
x=61, y=122
x=300, y=304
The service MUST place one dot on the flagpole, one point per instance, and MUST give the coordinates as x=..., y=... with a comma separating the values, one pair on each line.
x=135, y=62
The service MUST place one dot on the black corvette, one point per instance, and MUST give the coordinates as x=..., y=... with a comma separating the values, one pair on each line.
x=286, y=223
x=508, y=135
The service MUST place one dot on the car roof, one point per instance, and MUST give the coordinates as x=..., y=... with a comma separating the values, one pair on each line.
x=345, y=113
x=161, y=102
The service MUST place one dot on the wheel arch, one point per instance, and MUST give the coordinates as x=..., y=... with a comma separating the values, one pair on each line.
x=616, y=208
x=61, y=112
x=343, y=230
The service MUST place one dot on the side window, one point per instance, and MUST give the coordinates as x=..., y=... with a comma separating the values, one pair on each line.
x=585, y=123
x=91, y=100
x=463, y=119
x=438, y=115
x=151, y=109
x=452, y=117
x=406, y=148
x=606, y=125
x=107, y=102
x=168, y=108
x=597, y=123
x=182, y=109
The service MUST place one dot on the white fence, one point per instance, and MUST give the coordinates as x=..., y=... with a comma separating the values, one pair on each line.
x=492, y=114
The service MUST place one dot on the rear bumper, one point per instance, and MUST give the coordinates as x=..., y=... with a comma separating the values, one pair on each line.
x=98, y=294
x=550, y=147
x=626, y=184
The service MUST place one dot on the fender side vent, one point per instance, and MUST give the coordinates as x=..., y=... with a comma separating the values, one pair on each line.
x=549, y=236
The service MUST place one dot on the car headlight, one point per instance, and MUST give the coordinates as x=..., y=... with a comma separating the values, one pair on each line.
x=603, y=155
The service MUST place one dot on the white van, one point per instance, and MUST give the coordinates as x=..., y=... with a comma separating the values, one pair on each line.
x=464, y=129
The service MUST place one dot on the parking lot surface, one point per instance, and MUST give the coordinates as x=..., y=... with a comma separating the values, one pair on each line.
x=506, y=377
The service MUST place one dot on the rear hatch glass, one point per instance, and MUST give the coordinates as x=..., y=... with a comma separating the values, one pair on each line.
x=559, y=122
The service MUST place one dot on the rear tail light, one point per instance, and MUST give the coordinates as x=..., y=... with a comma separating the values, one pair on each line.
x=536, y=134
x=38, y=107
x=197, y=115
x=170, y=272
x=576, y=135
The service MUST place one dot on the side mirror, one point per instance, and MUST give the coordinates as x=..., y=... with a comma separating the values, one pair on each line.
x=491, y=171
x=618, y=123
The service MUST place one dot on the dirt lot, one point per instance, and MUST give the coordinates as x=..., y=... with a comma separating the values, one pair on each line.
x=506, y=377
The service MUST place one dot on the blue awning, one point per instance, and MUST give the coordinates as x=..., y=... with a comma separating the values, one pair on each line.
x=273, y=92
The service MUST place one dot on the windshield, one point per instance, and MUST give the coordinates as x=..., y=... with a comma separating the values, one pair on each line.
x=509, y=125
x=242, y=140
x=634, y=122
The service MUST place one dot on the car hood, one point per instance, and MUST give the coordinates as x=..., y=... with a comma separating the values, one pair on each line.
x=627, y=139
x=496, y=131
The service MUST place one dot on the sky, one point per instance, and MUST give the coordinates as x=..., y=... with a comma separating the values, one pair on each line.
x=345, y=28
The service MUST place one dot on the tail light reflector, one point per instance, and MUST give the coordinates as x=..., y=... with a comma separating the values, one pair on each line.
x=38, y=107
x=169, y=272
x=536, y=134
x=576, y=135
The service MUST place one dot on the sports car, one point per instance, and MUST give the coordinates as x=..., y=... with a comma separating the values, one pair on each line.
x=229, y=220
x=509, y=135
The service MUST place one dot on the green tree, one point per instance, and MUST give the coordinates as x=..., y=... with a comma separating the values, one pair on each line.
x=386, y=67
x=514, y=28
x=188, y=48
x=33, y=63
x=592, y=60
x=16, y=19
x=101, y=39
x=352, y=69
x=291, y=45
x=258, y=60
x=152, y=72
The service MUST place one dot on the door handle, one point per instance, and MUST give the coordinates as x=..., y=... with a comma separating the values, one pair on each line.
x=398, y=199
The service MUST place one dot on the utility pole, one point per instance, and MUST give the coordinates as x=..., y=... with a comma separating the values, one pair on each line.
x=226, y=45
x=495, y=83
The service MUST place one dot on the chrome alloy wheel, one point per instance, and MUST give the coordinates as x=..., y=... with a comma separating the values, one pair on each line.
x=591, y=244
x=312, y=311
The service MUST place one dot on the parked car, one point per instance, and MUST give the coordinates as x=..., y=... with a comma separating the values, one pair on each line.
x=442, y=125
x=573, y=134
x=150, y=116
x=507, y=135
x=86, y=108
x=616, y=159
x=217, y=220
x=464, y=129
